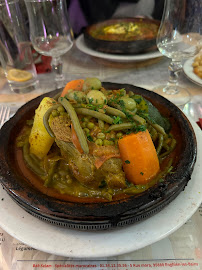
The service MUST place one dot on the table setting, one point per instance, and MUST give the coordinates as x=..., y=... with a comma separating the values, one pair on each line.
x=38, y=230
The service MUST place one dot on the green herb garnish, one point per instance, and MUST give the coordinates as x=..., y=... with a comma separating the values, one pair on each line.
x=127, y=161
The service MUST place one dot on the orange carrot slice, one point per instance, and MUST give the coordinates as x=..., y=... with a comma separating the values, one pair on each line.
x=75, y=140
x=75, y=85
x=139, y=157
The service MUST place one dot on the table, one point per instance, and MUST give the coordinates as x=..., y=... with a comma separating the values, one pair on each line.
x=182, y=249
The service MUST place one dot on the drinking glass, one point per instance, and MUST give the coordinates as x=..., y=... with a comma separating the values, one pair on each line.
x=179, y=37
x=50, y=31
x=15, y=48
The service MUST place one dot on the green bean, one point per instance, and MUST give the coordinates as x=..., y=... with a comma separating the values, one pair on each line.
x=57, y=95
x=172, y=146
x=165, y=146
x=51, y=172
x=139, y=119
x=157, y=127
x=46, y=119
x=160, y=143
x=78, y=129
x=35, y=158
x=31, y=163
x=135, y=189
x=113, y=111
x=154, y=133
x=95, y=114
x=121, y=126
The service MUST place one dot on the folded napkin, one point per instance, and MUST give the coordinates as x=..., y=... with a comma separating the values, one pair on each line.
x=199, y=122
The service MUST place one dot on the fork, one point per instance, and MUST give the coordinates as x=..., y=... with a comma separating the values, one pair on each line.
x=4, y=115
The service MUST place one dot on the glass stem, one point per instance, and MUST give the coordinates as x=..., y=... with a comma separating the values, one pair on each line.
x=57, y=69
x=172, y=85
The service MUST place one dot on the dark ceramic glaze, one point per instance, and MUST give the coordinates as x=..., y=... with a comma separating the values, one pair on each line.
x=120, y=47
x=97, y=215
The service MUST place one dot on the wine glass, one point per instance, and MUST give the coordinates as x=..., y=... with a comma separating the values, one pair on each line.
x=50, y=31
x=179, y=37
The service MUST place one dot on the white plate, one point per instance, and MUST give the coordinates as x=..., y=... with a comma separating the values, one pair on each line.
x=188, y=70
x=114, y=57
x=70, y=243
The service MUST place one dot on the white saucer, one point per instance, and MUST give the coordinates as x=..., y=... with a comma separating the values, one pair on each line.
x=70, y=243
x=114, y=57
x=188, y=70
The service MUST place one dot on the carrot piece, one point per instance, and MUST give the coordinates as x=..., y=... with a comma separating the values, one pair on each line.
x=75, y=85
x=139, y=157
x=75, y=140
x=100, y=160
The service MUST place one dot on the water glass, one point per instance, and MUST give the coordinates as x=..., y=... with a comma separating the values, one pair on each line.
x=15, y=48
x=50, y=32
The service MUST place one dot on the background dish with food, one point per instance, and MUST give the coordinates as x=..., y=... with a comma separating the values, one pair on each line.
x=188, y=71
x=115, y=57
x=122, y=36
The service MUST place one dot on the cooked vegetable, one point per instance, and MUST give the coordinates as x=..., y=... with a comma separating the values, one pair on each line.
x=77, y=96
x=91, y=84
x=76, y=124
x=46, y=119
x=106, y=142
x=139, y=157
x=95, y=114
x=39, y=139
x=96, y=97
x=128, y=103
x=172, y=146
x=156, y=117
x=113, y=111
x=157, y=127
x=75, y=85
x=121, y=126
x=124, y=30
x=75, y=140
x=31, y=162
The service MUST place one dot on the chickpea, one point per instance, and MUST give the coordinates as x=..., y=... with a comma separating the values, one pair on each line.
x=99, y=142
x=83, y=125
x=54, y=113
x=85, y=119
x=62, y=173
x=90, y=125
x=106, y=142
x=55, y=176
x=86, y=130
x=61, y=109
x=101, y=135
x=64, y=113
x=68, y=179
x=119, y=135
x=111, y=142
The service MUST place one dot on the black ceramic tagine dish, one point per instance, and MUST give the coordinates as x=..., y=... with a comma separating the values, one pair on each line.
x=58, y=209
x=123, y=36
